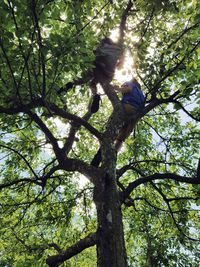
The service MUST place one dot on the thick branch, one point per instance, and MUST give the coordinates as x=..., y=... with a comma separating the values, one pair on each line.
x=58, y=111
x=69, y=116
x=48, y=133
x=56, y=260
x=157, y=176
x=156, y=102
x=198, y=170
x=112, y=96
x=90, y=172
x=71, y=137
x=130, y=166
x=22, y=108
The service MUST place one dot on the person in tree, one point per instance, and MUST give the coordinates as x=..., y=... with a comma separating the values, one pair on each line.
x=132, y=100
x=109, y=56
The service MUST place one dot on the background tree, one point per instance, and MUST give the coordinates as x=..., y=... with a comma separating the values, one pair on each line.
x=139, y=208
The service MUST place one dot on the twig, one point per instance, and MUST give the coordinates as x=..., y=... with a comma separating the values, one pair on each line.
x=182, y=107
x=41, y=48
x=171, y=212
x=21, y=156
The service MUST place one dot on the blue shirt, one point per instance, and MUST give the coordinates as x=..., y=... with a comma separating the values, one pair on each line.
x=135, y=97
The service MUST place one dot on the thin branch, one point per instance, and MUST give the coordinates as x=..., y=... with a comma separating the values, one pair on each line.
x=71, y=137
x=189, y=114
x=47, y=165
x=130, y=166
x=41, y=47
x=21, y=49
x=155, y=130
x=98, y=12
x=174, y=68
x=130, y=203
x=33, y=201
x=182, y=34
x=171, y=212
x=55, y=246
x=21, y=108
x=146, y=29
x=49, y=175
x=122, y=26
x=21, y=240
x=182, y=198
x=9, y=66
x=21, y=156
x=19, y=181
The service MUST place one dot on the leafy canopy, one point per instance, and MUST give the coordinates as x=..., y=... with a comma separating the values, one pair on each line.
x=44, y=45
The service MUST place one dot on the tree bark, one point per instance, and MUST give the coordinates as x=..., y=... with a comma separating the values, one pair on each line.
x=110, y=244
x=63, y=255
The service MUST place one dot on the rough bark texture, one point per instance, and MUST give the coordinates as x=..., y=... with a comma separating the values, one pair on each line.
x=110, y=237
x=111, y=250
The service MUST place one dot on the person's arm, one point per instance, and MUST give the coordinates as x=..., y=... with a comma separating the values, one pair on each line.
x=123, y=89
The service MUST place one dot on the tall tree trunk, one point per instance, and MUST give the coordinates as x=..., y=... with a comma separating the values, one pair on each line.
x=111, y=250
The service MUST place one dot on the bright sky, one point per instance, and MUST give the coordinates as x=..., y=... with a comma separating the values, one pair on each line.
x=127, y=72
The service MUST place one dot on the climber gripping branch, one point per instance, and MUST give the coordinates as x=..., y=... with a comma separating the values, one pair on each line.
x=108, y=57
x=132, y=100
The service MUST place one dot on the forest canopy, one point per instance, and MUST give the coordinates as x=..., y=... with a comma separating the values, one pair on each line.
x=140, y=207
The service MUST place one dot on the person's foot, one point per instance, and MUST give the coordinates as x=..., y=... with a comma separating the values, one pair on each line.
x=95, y=103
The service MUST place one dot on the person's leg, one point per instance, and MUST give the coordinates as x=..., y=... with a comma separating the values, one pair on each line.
x=124, y=133
x=93, y=86
x=127, y=128
x=95, y=96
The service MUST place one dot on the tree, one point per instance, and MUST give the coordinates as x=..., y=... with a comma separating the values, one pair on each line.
x=139, y=208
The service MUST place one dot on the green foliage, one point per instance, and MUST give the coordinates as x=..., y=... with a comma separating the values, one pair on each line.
x=57, y=42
